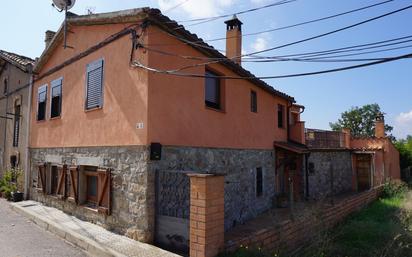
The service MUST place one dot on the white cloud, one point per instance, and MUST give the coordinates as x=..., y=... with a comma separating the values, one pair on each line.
x=195, y=8
x=259, y=44
x=403, y=124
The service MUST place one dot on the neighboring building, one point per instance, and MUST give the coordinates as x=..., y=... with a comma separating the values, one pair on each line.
x=340, y=163
x=111, y=142
x=15, y=74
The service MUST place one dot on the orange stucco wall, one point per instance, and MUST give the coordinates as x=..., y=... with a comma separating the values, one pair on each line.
x=177, y=112
x=386, y=159
x=125, y=95
x=171, y=108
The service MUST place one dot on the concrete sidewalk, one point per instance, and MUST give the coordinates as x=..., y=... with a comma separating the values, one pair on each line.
x=93, y=239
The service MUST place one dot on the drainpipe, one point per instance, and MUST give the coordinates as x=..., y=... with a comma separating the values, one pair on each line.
x=27, y=172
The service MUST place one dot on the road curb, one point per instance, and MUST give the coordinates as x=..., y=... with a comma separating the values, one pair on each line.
x=91, y=247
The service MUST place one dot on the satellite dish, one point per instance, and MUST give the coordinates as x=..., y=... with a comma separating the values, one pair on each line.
x=64, y=4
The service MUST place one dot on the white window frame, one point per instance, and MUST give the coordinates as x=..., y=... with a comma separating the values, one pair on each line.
x=37, y=102
x=51, y=97
x=91, y=66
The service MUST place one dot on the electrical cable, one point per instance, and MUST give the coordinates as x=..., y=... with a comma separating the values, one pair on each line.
x=194, y=75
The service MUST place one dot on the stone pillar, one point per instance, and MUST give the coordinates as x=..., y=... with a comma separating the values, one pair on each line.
x=207, y=215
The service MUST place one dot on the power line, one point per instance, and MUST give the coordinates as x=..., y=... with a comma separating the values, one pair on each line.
x=236, y=13
x=293, y=25
x=338, y=49
x=194, y=75
x=299, y=41
x=176, y=6
x=354, y=48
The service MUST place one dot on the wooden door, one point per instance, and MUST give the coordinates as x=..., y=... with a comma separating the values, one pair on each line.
x=363, y=168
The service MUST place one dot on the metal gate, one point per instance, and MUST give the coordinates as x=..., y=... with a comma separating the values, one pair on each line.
x=172, y=211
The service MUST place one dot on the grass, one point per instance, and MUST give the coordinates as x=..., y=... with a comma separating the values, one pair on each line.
x=381, y=230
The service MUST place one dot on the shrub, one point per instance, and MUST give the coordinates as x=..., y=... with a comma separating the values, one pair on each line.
x=394, y=188
x=6, y=184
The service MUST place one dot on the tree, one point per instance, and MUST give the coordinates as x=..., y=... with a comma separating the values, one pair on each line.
x=404, y=147
x=361, y=121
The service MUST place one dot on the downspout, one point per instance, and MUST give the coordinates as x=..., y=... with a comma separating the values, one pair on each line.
x=27, y=172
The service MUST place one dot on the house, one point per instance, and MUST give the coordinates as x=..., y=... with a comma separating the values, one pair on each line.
x=340, y=163
x=15, y=74
x=111, y=142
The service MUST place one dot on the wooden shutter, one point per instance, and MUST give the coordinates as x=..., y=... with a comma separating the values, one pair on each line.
x=42, y=177
x=104, y=191
x=74, y=184
x=94, y=85
x=61, y=185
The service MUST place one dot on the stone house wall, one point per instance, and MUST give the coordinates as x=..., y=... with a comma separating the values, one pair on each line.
x=134, y=187
x=321, y=166
x=18, y=93
x=132, y=191
x=238, y=166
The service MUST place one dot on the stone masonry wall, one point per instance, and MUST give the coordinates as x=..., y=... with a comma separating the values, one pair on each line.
x=132, y=187
x=324, y=163
x=238, y=166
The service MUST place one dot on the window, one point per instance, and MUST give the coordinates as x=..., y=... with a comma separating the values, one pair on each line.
x=212, y=90
x=16, y=129
x=94, y=85
x=259, y=182
x=253, y=101
x=281, y=115
x=13, y=161
x=91, y=185
x=54, y=180
x=5, y=86
x=56, y=98
x=41, y=102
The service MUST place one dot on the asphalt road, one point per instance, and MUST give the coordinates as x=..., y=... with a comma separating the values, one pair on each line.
x=20, y=237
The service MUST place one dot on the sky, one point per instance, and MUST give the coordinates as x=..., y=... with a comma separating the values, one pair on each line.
x=326, y=96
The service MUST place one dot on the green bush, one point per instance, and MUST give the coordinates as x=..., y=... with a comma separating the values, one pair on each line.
x=6, y=184
x=394, y=189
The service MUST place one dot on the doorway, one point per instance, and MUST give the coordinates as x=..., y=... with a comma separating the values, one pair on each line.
x=363, y=170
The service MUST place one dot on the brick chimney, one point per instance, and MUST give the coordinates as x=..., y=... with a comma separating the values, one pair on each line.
x=234, y=39
x=346, y=137
x=48, y=37
x=380, y=125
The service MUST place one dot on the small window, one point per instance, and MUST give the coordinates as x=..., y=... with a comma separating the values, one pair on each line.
x=91, y=185
x=212, y=90
x=54, y=180
x=281, y=115
x=259, y=182
x=13, y=162
x=94, y=85
x=41, y=102
x=5, y=86
x=16, y=129
x=253, y=101
x=56, y=98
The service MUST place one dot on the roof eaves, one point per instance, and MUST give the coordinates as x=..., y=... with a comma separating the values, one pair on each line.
x=22, y=62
